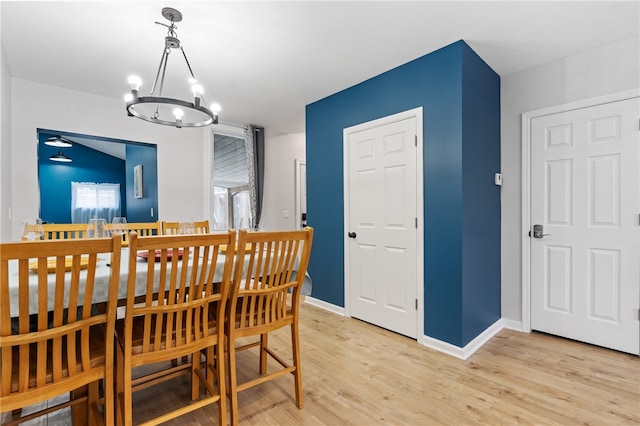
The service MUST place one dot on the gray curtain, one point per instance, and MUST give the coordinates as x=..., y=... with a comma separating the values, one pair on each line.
x=254, y=137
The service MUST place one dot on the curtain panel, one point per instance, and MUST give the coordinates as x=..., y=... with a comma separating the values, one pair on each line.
x=94, y=201
x=254, y=139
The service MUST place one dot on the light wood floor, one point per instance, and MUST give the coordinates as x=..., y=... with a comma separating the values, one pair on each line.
x=358, y=374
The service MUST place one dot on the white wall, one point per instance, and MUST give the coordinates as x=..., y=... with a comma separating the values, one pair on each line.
x=183, y=154
x=281, y=152
x=605, y=70
x=33, y=105
x=5, y=147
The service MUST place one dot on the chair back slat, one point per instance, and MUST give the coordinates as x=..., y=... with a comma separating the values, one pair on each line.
x=64, y=231
x=47, y=348
x=269, y=266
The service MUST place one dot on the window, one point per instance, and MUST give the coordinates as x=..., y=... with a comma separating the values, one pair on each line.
x=231, y=205
x=94, y=200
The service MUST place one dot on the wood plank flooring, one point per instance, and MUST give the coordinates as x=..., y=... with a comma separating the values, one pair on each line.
x=358, y=374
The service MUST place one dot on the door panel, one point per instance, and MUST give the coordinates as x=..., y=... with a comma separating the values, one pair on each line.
x=382, y=206
x=585, y=191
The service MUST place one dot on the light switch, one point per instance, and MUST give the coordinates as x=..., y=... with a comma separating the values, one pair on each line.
x=285, y=214
x=498, y=179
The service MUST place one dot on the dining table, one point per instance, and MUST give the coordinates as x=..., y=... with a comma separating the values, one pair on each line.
x=103, y=272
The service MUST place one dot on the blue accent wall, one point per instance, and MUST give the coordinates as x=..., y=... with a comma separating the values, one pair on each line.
x=55, y=178
x=481, y=198
x=460, y=96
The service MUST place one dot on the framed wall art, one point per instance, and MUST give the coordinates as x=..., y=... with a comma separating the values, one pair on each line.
x=137, y=181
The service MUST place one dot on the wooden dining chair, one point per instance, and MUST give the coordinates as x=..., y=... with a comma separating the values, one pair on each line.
x=172, y=228
x=52, y=341
x=187, y=285
x=269, y=267
x=143, y=229
x=64, y=231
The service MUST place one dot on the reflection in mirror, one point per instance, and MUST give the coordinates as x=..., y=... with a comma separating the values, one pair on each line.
x=98, y=161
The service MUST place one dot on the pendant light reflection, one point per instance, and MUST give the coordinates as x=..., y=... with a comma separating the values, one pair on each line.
x=58, y=141
x=60, y=157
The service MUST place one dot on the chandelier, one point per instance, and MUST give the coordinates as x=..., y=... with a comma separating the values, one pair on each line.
x=168, y=111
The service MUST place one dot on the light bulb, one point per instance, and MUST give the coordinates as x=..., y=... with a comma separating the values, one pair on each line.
x=215, y=108
x=192, y=81
x=178, y=113
x=128, y=97
x=197, y=90
x=135, y=82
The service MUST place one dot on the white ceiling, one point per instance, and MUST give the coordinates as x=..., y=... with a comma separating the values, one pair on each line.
x=264, y=61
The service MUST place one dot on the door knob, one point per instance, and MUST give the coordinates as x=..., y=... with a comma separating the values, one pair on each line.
x=538, y=231
x=351, y=234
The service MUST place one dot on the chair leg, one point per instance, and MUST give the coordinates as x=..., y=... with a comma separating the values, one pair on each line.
x=127, y=399
x=121, y=410
x=92, y=400
x=233, y=384
x=295, y=348
x=220, y=377
x=108, y=390
x=211, y=366
x=264, y=343
x=195, y=381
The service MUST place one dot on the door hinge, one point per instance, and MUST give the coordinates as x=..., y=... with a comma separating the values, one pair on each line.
x=416, y=304
x=416, y=223
x=415, y=140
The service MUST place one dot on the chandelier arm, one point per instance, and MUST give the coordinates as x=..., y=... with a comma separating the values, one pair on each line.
x=184, y=54
x=188, y=64
x=163, y=60
x=164, y=70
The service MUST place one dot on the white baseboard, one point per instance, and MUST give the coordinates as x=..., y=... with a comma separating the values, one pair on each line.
x=439, y=345
x=470, y=348
x=513, y=325
x=324, y=305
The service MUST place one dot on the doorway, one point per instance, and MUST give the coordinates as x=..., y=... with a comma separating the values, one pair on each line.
x=301, y=193
x=383, y=222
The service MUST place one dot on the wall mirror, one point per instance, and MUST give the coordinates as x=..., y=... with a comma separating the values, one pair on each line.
x=66, y=157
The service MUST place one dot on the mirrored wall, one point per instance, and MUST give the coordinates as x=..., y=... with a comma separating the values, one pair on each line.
x=66, y=157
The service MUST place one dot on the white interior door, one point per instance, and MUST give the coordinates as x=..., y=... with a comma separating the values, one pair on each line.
x=382, y=225
x=585, y=191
